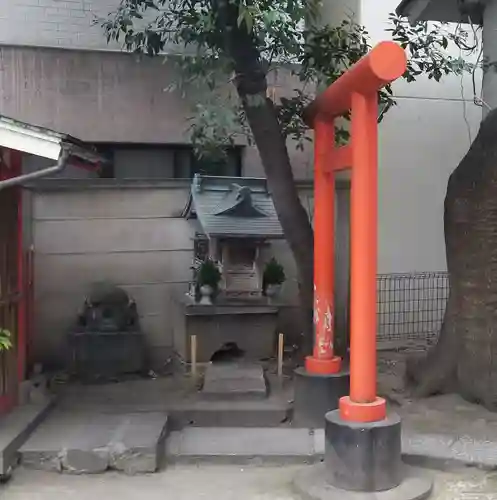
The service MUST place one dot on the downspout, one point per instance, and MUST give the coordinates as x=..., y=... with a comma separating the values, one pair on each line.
x=61, y=165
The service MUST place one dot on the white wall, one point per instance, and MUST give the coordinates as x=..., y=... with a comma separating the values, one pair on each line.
x=421, y=142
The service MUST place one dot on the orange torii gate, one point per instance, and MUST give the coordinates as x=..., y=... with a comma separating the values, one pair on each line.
x=362, y=442
x=357, y=91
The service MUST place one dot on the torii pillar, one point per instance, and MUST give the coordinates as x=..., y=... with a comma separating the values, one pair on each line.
x=362, y=441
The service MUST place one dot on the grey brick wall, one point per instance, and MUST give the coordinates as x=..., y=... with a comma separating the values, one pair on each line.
x=54, y=23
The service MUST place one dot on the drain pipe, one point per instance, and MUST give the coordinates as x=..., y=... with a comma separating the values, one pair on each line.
x=61, y=165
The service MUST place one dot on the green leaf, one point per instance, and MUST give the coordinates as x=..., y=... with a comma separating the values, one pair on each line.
x=5, y=339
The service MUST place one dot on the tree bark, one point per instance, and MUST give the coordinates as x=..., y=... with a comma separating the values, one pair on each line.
x=465, y=357
x=251, y=85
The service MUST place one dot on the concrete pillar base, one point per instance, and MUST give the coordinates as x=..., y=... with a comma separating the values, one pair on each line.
x=362, y=456
x=362, y=462
x=312, y=484
x=316, y=395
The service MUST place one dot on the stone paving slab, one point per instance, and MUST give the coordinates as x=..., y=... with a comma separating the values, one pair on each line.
x=86, y=443
x=234, y=381
x=16, y=427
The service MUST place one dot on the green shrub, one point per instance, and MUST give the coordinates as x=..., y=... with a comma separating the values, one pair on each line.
x=274, y=274
x=208, y=274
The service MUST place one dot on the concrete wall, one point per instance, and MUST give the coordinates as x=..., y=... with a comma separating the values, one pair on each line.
x=132, y=237
x=131, y=234
x=97, y=97
x=54, y=23
x=109, y=97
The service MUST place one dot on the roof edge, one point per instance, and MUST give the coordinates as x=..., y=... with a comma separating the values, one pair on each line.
x=44, y=142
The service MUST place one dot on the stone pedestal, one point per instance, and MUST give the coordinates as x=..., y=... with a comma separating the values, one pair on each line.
x=96, y=354
x=251, y=327
x=362, y=462
x=363, y=456
x=316, y=395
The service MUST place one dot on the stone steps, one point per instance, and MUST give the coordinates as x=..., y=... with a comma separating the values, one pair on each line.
x=234, y=382
x=234, y=394
x=241, y=445
x=132, y=447
x=272, y=412
x=88, y=442
x=101, y=435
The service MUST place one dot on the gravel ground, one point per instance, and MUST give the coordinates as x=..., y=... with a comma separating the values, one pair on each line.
x=213, y=482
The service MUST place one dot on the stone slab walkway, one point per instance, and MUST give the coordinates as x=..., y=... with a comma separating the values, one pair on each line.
x=443, y=428
x=213, y=482
x=447, y=427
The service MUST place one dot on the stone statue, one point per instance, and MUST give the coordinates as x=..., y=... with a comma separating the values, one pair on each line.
x=108, y=308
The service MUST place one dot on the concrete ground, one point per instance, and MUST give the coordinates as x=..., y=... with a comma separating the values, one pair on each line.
x=219, y=482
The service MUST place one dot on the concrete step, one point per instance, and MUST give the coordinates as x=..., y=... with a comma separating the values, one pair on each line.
x=281, y=445
x=234, y=382
x=90, y=442
x=239, y=445
x=271, y=412
x=15, y=429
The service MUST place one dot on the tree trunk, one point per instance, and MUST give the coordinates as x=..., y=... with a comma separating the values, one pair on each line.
x=251, y=85
x=292, y=215
x=465, y=357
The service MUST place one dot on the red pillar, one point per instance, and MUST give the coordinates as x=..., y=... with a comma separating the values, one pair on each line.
x=16, y=166
x=362, y=404
x=323, y=359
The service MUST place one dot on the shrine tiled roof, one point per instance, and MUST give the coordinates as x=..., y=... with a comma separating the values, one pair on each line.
x=234, y=207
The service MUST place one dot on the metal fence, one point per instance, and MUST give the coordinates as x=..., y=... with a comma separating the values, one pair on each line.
x=411, y=306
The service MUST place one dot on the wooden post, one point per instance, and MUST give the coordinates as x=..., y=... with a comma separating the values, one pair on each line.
x=281, y=343
x=193, y=355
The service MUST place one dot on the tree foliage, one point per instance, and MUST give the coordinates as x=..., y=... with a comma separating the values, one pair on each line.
x=286, y=35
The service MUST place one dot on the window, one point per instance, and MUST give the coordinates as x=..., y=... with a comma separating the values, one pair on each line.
x=186, y=164
x=151, y=161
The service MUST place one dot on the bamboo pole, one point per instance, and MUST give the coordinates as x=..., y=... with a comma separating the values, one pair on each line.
x=281, y=343
x=193, y=355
